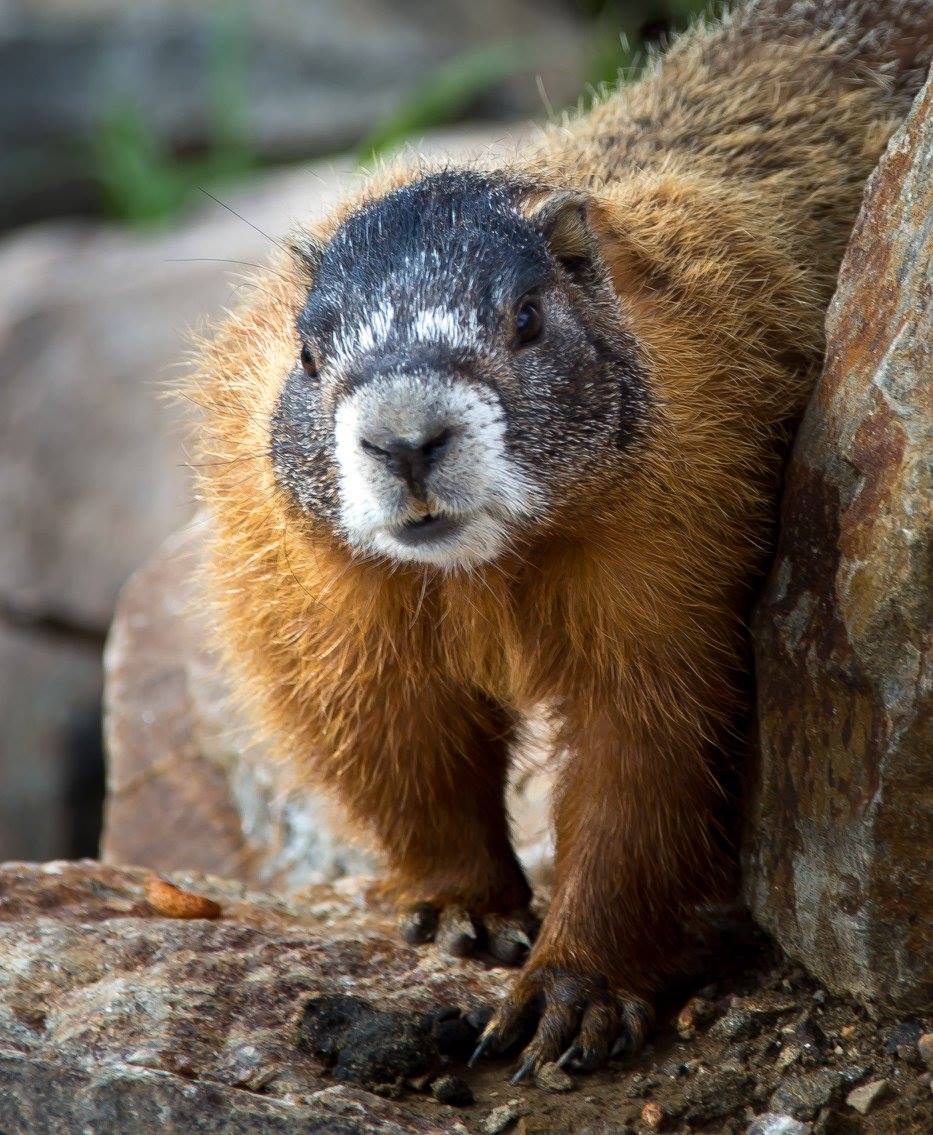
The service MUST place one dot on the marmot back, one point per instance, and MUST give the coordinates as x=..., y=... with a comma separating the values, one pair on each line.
x=498, y=437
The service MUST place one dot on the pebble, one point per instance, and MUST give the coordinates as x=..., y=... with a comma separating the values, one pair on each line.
x=804, y=1094
x=925, y=1048
x=788, y=1054
x=550, y=1078
x=694, y=1013
x=864, y=1098
x=452, y=1090
x=652, y=1116
x=737, y=1022
x=502, y=1117
x=771, y=1123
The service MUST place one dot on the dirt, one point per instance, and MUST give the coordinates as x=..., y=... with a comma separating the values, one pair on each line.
x=760, y=1039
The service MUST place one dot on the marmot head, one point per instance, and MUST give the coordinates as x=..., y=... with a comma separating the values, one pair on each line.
x=462, y=369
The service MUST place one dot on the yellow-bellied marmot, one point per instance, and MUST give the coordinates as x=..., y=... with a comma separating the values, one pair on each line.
x=497, y=437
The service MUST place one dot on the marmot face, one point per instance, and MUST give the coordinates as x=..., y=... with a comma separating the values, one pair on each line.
x=461, y=366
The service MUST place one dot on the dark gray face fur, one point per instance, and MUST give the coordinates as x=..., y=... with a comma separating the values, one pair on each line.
x=432, y=430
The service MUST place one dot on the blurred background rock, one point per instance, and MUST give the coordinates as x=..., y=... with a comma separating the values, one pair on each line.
x=114, y=114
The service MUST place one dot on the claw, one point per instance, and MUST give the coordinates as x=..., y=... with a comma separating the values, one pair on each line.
x=485, y=1043
x=565, y=1059
x=525, y=1071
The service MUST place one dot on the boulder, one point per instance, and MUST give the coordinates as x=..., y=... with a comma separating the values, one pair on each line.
x=838, y=863
x=115, y=1018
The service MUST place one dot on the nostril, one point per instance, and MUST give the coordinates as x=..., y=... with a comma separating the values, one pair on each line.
x=434, y=446
x=398, y=450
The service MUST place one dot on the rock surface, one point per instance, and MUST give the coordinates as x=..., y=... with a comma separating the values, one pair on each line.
x=838, y=853
x=187, y=787
x=292, y=1013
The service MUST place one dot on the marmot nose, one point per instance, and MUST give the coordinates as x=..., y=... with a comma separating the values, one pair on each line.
x=410, y=460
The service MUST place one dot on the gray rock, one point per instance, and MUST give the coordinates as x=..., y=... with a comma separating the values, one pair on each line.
x=551, y=1078
x=293, y=79
x=864, y=1098
x=113, y=1018
x=773, y=1124
x=804, y=1094
x=838, y=856
x=501, y=1118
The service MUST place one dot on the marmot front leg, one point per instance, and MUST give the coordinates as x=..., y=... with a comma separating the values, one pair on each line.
x=431, y=783
x=633, y=826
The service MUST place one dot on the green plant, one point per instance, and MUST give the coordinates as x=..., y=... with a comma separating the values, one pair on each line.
x=140, y=180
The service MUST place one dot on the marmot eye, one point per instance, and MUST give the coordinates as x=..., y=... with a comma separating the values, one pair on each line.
x=528, y=321
x=308, y=360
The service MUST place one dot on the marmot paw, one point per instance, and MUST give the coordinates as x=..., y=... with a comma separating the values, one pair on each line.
x=580, y=1019
x=459, y=932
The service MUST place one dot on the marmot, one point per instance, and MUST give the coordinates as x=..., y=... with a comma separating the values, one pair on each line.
x=495, y=437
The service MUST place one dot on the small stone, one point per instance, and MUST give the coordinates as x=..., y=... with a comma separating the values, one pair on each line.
x=652, y=1116
x=550, y=1078
x=864, y=1098
x=767, y=1005
x=773, y=1124
x=925, y=1048
x=736, y=1023
x=694, y=1013
x=788, y=1054
x=804, y=1094
x=502, y=1117
x=820, y=996
x=452, y=1090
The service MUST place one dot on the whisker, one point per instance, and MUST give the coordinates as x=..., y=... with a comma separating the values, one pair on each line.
x=233, y=211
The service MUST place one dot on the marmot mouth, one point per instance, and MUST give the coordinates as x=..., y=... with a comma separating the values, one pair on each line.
x=433, y=526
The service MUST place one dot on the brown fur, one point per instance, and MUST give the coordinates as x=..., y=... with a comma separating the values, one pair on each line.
x=724, y=185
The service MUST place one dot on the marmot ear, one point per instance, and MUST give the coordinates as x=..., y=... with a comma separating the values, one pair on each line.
x=562, y=217
x=307, y=251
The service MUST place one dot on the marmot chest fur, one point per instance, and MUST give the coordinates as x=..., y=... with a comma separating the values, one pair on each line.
x=496, y=437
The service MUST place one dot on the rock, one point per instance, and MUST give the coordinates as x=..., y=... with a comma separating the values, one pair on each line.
x=501, y=1118
x=837, y=850
x=551, y=1078
x=115, y=1019
x=186, y=787
x=453, y=1091
x=379, y=1049
x=50, y=750
x=804, y=1094
x=773, y=1124
x=714, y=1092
x=652, y=1115
x=298, y=79
x=864, y=1098
x=737, y=1022
x=696, y=1012
x=925, y=1048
